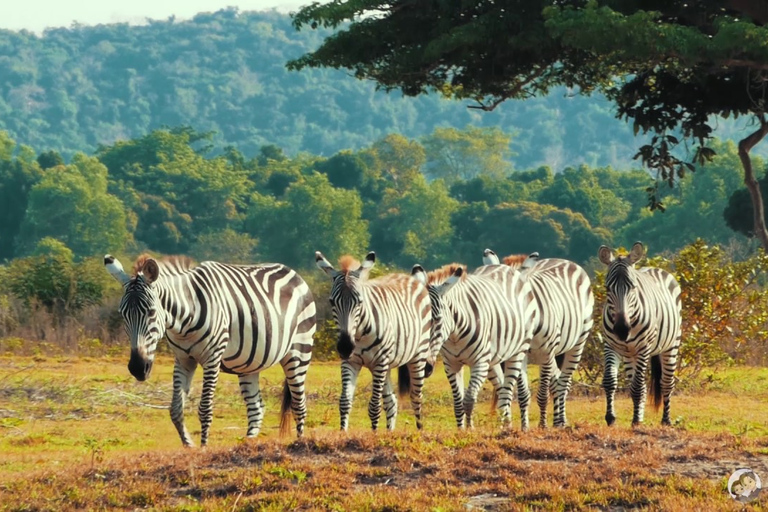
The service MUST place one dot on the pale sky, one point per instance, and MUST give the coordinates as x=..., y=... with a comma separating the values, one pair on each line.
x=36, y=15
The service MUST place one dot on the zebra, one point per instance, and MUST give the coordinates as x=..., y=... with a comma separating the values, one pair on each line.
x=383, y=323
x=477, y=324
x=239, y=319
x=641, y=321
x=562, y=323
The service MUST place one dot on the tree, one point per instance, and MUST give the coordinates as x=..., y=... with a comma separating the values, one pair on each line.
x=72, y=205
x=17, y=178
x=311, y=216
x=464, y=154
x=415, y=227
x=668, y=66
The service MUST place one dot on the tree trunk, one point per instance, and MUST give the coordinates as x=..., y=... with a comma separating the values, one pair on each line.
x=758, y=208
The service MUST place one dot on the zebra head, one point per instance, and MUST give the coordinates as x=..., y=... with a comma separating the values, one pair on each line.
x=142, y=314
x=346, y=296
x=438, y=284
x=621, y=287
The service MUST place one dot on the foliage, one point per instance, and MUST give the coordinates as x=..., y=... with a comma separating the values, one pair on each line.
x=71, y=203
x=51, y=279
x=311, y=216
x=227, y=245
x=464, y=154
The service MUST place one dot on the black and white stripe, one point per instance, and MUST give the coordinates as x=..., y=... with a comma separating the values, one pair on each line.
x=641, y=323
x=561, y=325
x=383, y=323
x=481, y=322
x=233, y=318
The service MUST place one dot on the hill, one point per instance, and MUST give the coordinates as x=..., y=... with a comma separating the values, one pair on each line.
x=75, y=88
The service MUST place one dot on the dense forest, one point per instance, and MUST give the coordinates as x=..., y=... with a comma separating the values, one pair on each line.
x=72, y=89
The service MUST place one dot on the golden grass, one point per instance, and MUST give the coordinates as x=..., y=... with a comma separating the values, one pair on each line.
x=82, y=434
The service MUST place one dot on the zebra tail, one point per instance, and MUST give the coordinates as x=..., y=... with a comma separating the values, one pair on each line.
x=403, y=381
x=656, y=381
x=285, y=410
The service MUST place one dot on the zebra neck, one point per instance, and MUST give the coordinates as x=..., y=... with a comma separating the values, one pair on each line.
x=180, y=302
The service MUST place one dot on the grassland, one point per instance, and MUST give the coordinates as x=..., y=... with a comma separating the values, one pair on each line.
x=80, y=433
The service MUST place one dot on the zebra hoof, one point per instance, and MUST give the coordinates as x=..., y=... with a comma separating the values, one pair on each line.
x=666, y=423
x=610, y=419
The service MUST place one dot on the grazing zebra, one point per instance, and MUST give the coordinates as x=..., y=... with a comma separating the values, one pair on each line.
x=383, y=323
x=477, y=324
x=562, y=323
x=641, y=321
x=232, y=318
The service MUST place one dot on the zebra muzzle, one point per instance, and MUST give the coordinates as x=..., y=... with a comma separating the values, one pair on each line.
x=139, y=366
x=345, y=345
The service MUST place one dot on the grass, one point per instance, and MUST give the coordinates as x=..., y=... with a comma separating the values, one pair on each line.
x=81, y=433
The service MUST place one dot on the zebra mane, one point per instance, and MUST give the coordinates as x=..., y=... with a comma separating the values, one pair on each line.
x=515, y=260
x=441, y=275
x=348, y=264
x=169, y=266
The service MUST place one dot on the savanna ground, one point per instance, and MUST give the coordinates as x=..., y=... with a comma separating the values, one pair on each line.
x=81, y=433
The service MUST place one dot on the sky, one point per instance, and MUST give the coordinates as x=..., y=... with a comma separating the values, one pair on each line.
x=36, y=15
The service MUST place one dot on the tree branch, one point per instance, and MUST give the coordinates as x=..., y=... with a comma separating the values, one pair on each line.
x=745, y=145
x=516, y=90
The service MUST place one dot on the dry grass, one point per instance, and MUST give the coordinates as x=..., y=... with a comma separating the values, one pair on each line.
x=82, y=434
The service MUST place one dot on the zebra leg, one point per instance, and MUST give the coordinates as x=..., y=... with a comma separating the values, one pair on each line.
x=564, y=381
x=477, y=377
x=183, y=371
x=349, y=375
x=390, y=402
x=379, y=373
x=417, y=370
x=496, y=376
x=668, y=366
x=516, y=373
x=205, y=411
x=456, y=379
x=295, y=368
x=610, y=382
x=254, y=405
x=637, y=388
x=547, y=373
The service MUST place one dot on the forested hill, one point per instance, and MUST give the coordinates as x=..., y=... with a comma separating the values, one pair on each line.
x=72, y=89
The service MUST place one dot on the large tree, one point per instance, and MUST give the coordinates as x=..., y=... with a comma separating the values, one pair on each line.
x=669, y=65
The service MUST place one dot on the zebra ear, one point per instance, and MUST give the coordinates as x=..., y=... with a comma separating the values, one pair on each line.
x=115, y=268
x=324, y=265
x=419, y=274
x=490, y=258
x=151, y=271
x=636, y=253
x=530, y=261
x=451, y=281
x=605, y=254
x=368, y=263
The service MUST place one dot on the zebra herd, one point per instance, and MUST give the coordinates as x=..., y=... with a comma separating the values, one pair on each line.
x=243, y=319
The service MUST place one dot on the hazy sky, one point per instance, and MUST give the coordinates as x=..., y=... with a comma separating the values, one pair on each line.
x=38, y=14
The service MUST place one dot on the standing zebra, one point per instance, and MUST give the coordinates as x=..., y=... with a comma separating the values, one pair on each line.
x=232, y=318
x=641, y=320
x=562, y=323
x=481, y=322
x=383, y=323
